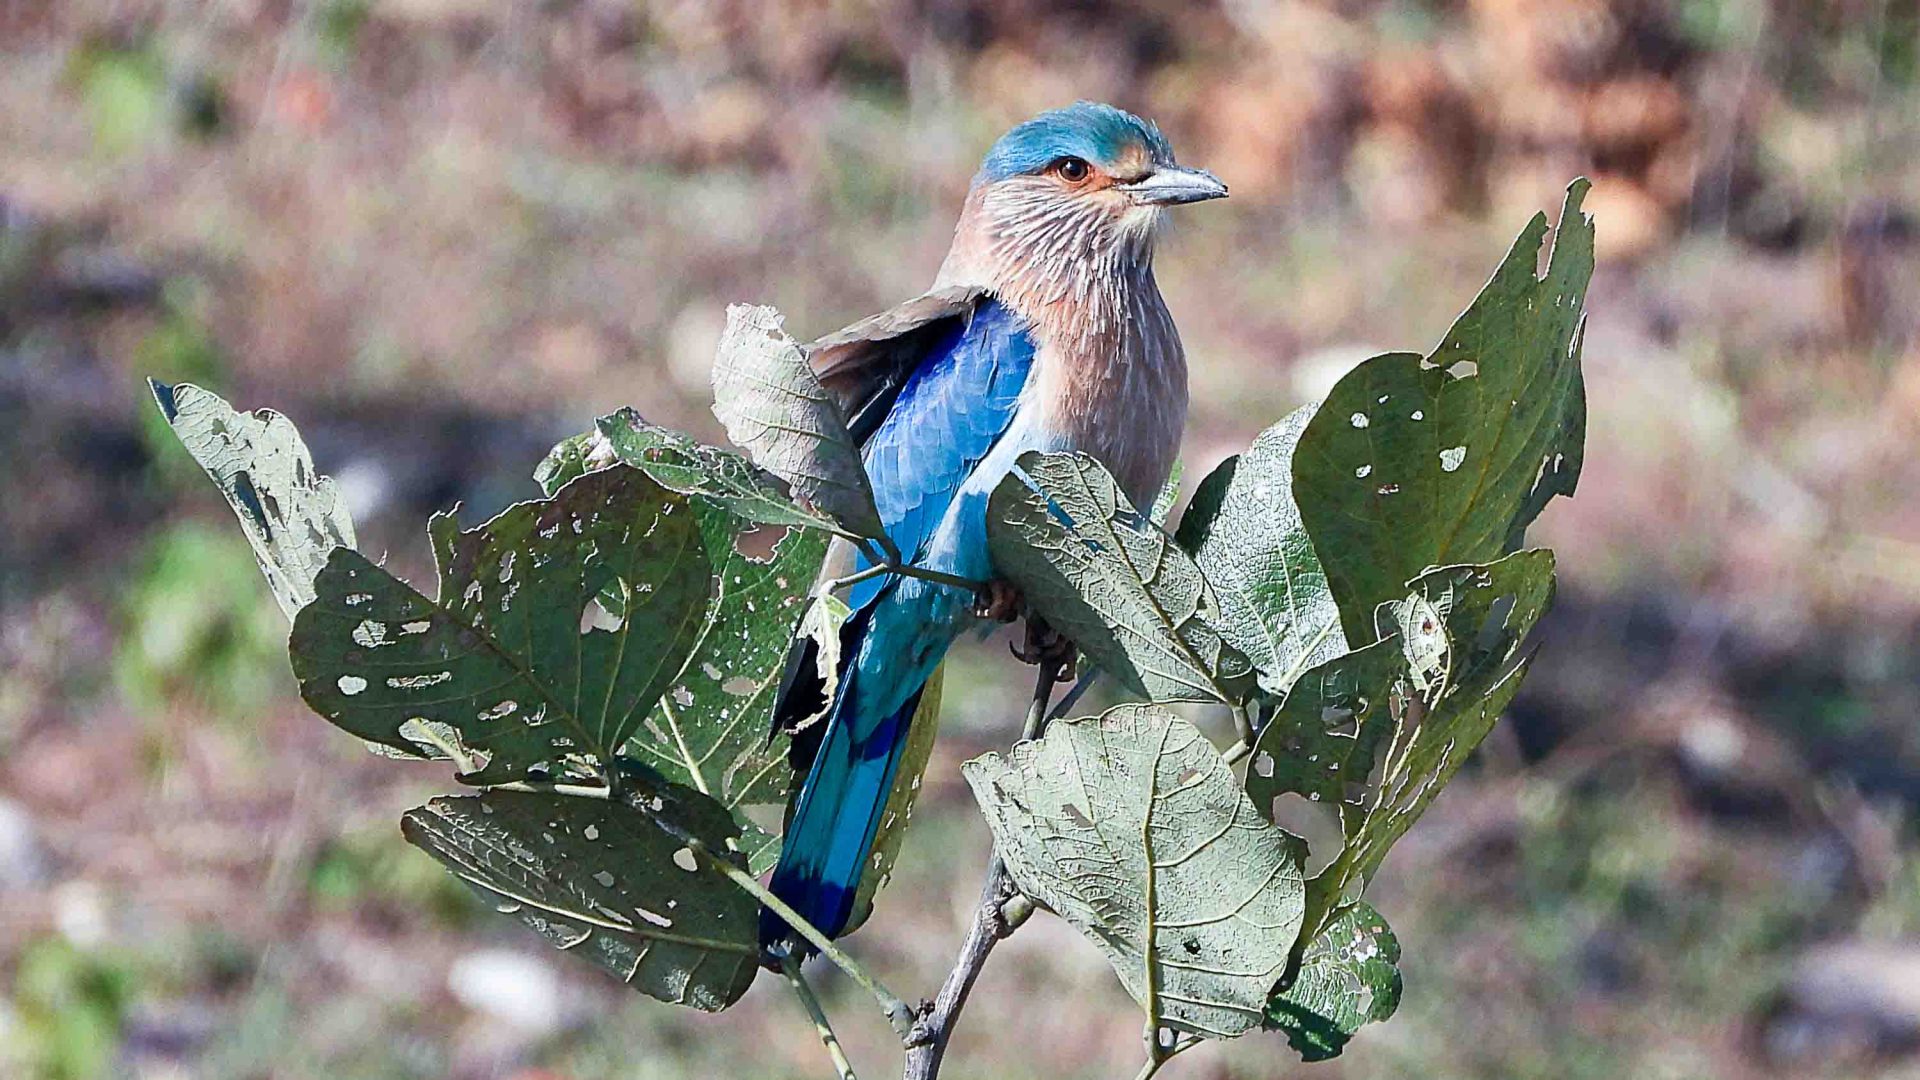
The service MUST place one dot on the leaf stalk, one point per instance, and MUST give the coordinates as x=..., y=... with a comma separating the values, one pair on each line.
x=790, y=967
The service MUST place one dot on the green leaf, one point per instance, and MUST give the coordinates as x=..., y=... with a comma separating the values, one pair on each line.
x=569, y=460
x=1349, y=976
x=1415, y=462
x=1244, y=531
x=1131, y=827
x=519, y=668
x=1323, y=740
x=710, y=730
x=292, y=516
x=604, y=882
x=680, y=464
x=1101, y=573
x=772, y=404
x=1461, y=631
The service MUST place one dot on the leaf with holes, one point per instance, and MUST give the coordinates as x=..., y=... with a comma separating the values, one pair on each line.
x=1131, y=827
x=520, y=668
x=1101, y=573
x=605, y=882
x=1417, y=461
x=1349, y=976
x=710, y=730
x=772, y=404
x=292, y=516
x=1461, y=630
x=683, y=465
x=1321, y=743
x=1244, y=531
x=569, y=460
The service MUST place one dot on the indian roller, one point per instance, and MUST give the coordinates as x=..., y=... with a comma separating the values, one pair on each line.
x=1044, y=331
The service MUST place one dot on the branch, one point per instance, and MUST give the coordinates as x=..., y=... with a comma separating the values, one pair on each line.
x=927, y=1042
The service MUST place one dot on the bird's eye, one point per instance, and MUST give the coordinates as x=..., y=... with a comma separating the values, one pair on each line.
x=1073, y=169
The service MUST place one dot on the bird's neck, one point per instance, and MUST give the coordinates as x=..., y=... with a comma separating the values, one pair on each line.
x=1111, y=376
x=1078, y=280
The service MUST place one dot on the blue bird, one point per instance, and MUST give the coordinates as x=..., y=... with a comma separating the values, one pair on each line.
x=1044, y=331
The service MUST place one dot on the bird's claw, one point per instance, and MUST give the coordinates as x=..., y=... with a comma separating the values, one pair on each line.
x=1001, y=602
x=1047, y=646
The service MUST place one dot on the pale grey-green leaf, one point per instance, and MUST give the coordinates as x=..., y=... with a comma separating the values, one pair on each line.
x=1131, y=827
x=825, y=615
x=1244, y=531
x=1097, y=570
x=291, y=515
x=772, y=404
x=606, y=883
x=520, y=668
x=1163, y=503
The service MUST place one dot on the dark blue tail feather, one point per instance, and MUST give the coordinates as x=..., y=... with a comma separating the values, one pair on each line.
x=836, y=818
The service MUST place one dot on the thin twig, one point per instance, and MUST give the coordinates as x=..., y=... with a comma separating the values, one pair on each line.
x=1159, y=1053
x=1237, y=752
x=1243, y=724
x=898, y=1013
x=790, y=967
x=1072, y=697
x=906, y=570
x=927, y=1043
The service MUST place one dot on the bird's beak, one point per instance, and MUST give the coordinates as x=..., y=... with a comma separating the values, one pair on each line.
x=1172, y=186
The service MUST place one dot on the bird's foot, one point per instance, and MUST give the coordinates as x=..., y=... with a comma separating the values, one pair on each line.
x=1047, y=646
x=1001, y=602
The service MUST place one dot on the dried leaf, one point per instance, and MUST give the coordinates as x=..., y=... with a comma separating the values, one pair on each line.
x=292, y=516
x=772, y=404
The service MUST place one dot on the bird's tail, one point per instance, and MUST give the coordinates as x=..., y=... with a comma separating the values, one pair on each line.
x=836, y=818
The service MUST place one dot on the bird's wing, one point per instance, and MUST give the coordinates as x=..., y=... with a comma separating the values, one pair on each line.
x=865, y=365
x=950, y=408
x=927, y=406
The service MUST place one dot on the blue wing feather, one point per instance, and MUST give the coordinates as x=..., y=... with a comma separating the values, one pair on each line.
x=955, y=405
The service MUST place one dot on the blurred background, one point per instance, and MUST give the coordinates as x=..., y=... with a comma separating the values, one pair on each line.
x=441, y=234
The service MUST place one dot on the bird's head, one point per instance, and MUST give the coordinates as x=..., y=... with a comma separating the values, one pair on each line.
x=1084, y=185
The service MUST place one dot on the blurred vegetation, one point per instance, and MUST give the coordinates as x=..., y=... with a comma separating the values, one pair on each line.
x=1689, y=852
